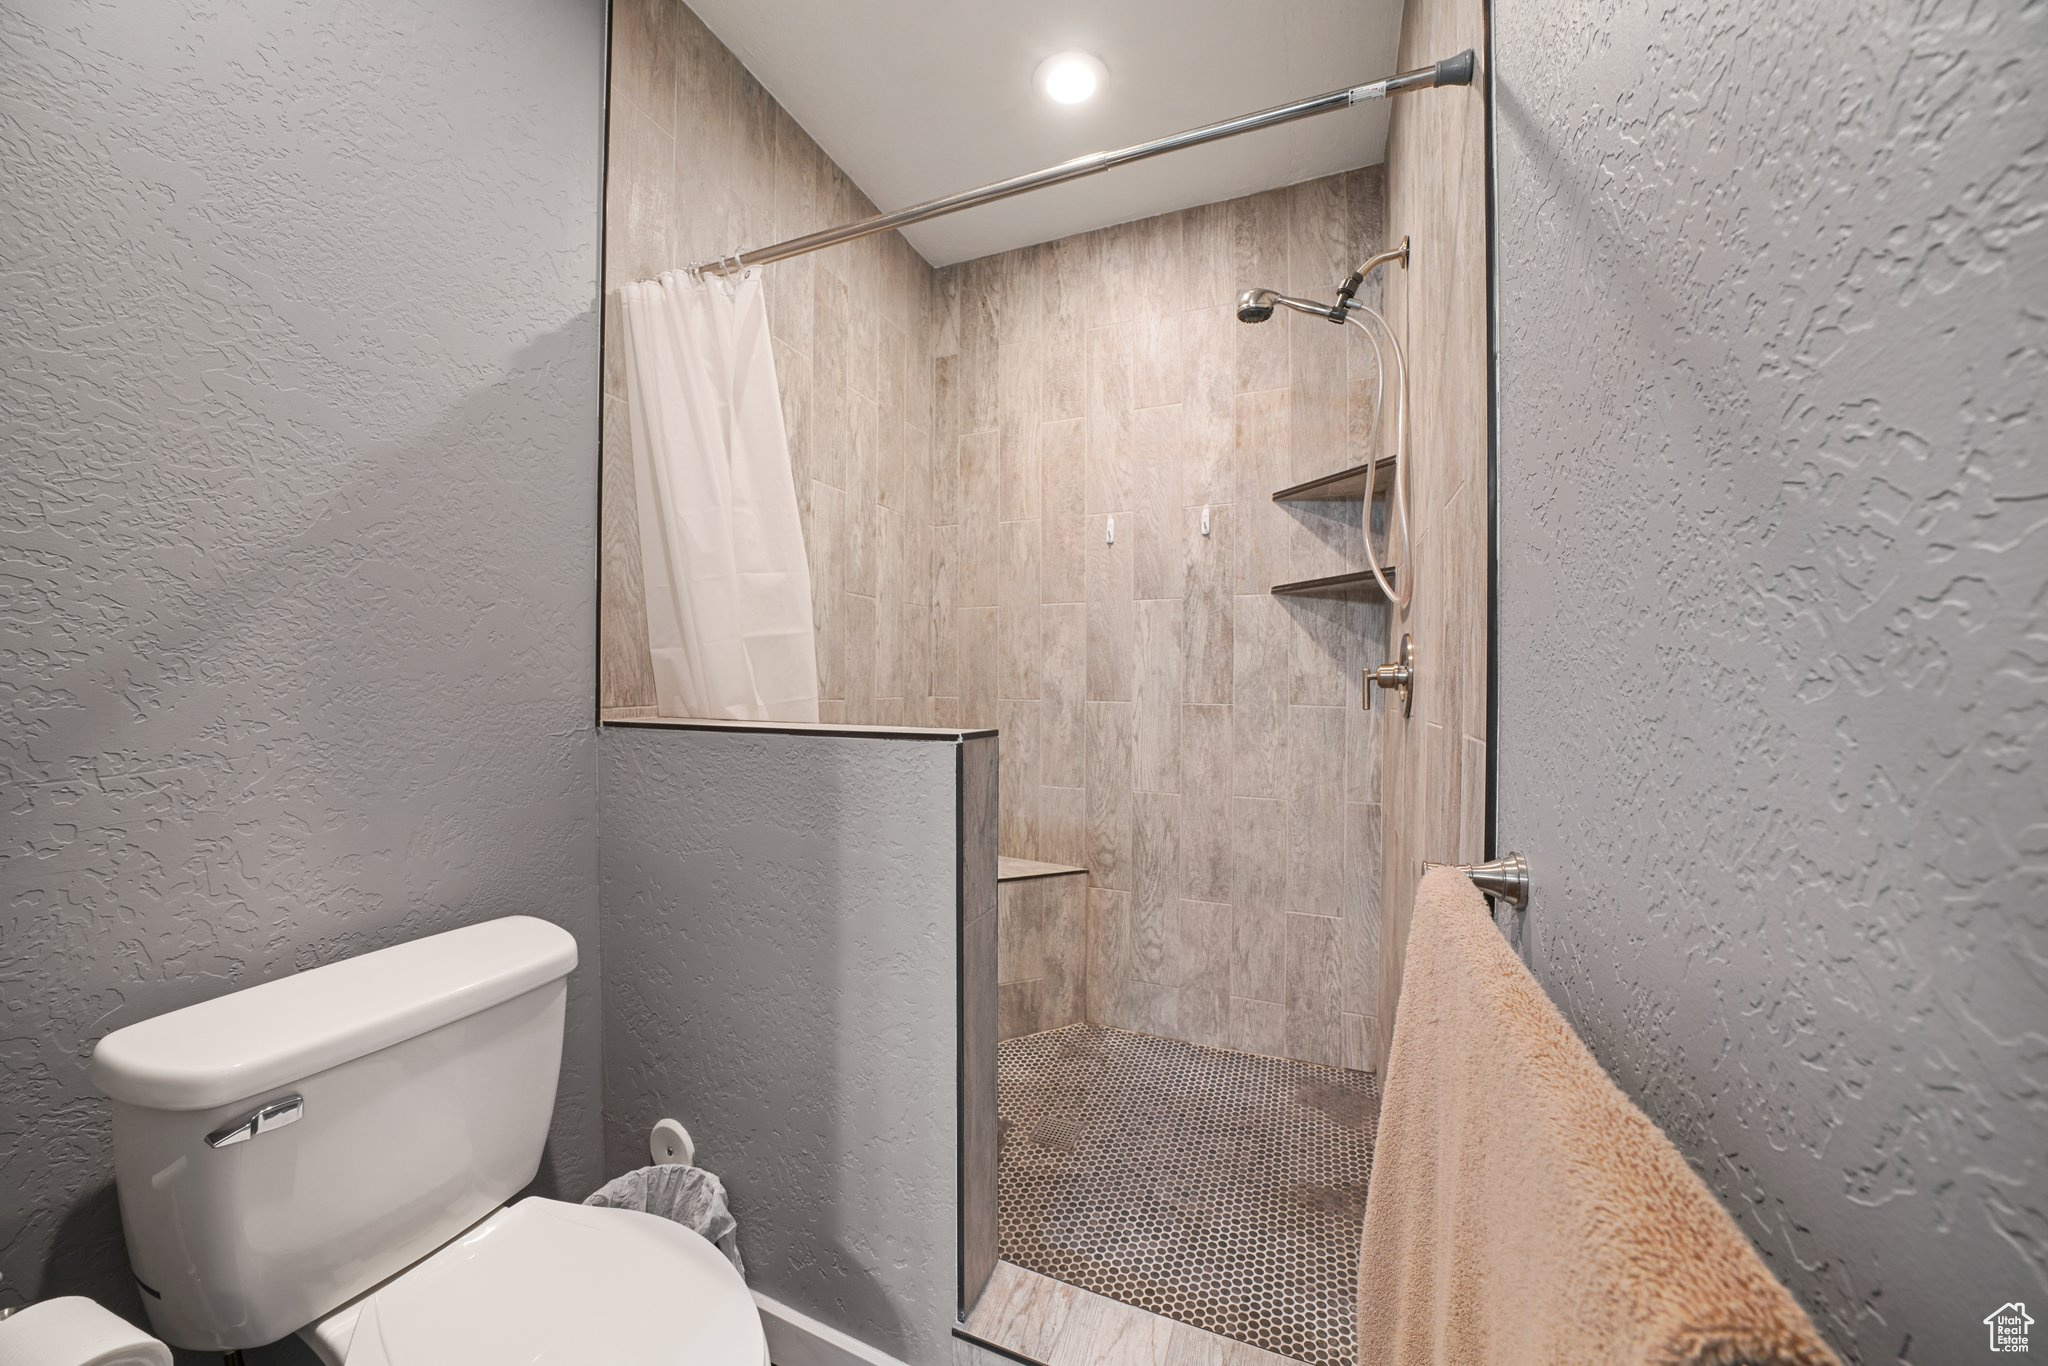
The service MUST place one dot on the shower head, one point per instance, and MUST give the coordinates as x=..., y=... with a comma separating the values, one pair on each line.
x=1257, y=305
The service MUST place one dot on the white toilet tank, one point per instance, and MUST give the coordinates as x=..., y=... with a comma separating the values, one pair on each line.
x=404, y=1095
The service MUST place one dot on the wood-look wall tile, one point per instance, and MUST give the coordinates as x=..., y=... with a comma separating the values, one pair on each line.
x=946, y=284
x=1258, y=1027
x=1206, y=777
x=1202, y=1015
x=1156, y=885
x=1258, y=241
x=1158, y=694
x=1108, y=951
x=1064, y=379
x=1210, y=281
x=626, y=675
x=1315, y=989
x=980, y=527
x=1206, y=628
x=863, y=512
x=1151, y=1008
x=1325, y=651
x=1160, y=273
x=1204, y=945
x=646, y=36
x=863, y=337
x=914, y=669
x=917, y=515
x=892, y=484
x=1364, y=435
x=1012, y=297
x=892, y=645
x=793, y=371
x=862, y=631
x=1357, y=1037
x=1207, y=475
x=1471, y=800
x=637, y=208
x=1364, y=730
x=1316, y=827
x=1469, y=611
x=1062, y=470
x=1066, y=965
x=1259, y=898
x=827, y=535
x=1158, y=439
x=1063, y=825
x=978, y=388
x=1021, y=496
x=1023, y=931
x=945, y=644
x=1018, y=721
x=1261, y=446
x=1064, y=686
x=1317, y=398
x=1108, y=484
x=828, y=330
x=1022, y=1008
x=1020, y=614
x=1111, y=299
x=1260, y=682
x=1112, y=610
x=945, y=441
x=977, y=628
x=1362, y=824
x=1112, y=732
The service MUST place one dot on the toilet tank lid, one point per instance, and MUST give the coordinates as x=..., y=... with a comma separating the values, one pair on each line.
x=247, y=1042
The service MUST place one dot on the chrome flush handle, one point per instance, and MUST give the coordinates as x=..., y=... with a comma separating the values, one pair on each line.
x=274, y=1115
x=1399, y=677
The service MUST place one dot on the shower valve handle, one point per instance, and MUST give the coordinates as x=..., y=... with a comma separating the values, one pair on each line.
x=1399, y=677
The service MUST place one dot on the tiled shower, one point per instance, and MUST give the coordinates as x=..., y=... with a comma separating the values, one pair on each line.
x=1037, y=495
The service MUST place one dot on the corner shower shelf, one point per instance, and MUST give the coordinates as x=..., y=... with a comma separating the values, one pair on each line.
x=1360, y=584
x=1349, y=483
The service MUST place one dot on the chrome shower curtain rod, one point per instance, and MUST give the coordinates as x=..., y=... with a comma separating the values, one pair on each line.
x=1450, y=71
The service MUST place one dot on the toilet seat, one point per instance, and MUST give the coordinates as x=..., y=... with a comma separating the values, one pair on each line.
x=545, y=1283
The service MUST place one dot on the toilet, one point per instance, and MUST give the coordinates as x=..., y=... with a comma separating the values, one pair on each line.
x=331, y=1154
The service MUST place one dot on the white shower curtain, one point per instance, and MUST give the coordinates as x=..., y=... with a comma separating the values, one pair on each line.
x=721, y=544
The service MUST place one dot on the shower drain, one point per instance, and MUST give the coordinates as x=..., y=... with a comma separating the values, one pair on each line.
x=1058, y=1133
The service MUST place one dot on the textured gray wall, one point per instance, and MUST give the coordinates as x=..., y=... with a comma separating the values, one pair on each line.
x=298, y=516
x=780, y=937
x=1774, y=308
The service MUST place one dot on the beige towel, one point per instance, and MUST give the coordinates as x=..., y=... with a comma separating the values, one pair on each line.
x=1521, y=1208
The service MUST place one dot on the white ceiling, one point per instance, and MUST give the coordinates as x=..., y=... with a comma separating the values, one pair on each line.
x=919, y=98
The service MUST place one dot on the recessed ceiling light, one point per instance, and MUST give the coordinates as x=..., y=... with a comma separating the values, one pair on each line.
x=1070, y=78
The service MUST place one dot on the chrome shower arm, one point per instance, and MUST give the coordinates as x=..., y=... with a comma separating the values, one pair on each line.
x=1350, y=287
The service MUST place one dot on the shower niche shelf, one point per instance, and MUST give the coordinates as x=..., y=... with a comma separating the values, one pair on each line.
x=1351, y=483
x=1358, y=585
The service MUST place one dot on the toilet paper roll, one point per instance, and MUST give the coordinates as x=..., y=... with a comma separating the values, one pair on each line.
x=74, y=1331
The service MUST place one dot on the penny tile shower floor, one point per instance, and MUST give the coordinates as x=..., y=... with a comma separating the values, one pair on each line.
x=1219, y=1189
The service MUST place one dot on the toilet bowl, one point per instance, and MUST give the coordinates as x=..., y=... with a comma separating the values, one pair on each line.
x=330, y=1154
x=551, y=1284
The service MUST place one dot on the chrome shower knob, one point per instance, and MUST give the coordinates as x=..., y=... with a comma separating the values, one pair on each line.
x=1399, y=677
